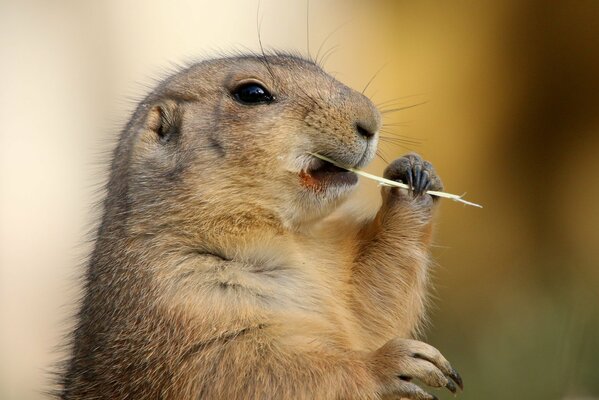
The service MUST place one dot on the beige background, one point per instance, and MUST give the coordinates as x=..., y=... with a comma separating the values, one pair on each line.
x=511, y=118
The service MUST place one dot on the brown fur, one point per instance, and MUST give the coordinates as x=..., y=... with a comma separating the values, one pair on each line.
x=220, y=273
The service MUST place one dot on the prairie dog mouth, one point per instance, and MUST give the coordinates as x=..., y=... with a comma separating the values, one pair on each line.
x=320, y=174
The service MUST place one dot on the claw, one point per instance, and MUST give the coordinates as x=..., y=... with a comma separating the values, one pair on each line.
x=423, y=181
x=457, y=378
x=451, y=386
x=418, y=179
x=452, y=373
x=427, y=186
x=410, y=178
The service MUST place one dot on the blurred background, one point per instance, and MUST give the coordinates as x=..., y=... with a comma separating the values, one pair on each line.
x=511, y=116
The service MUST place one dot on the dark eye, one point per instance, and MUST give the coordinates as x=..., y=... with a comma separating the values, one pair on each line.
x=252, y=93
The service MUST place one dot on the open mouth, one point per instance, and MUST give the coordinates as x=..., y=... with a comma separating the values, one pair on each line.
x=321, y=174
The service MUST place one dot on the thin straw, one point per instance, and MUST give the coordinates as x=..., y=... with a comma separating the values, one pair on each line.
x=389, y=182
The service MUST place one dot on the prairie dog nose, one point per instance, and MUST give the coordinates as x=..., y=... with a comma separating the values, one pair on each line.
x=368, y=118
x=364, y=131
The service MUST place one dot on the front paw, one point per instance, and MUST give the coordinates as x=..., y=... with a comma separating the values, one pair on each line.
x=400, y=361
x=415, y=172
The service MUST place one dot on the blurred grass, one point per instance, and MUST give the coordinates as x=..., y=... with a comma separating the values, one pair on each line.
x=533, y=344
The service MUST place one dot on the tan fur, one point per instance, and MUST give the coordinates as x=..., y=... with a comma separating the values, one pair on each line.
x=218, y=274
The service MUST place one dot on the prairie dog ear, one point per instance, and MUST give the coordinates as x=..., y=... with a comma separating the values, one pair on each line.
x=162, y=123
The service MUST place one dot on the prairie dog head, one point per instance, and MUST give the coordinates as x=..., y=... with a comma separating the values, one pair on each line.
x=229, y=138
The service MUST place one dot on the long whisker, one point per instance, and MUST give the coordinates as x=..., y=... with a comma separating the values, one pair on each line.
x=373, y=77
x=398, y=142
x=308, y=27
x=398, y=124
x=324, y=42
x=403, y=108
x=398, y=99
x=394, y=134
x=379, y=154
x=328, y=54
x=398, y=145
x=264, y=58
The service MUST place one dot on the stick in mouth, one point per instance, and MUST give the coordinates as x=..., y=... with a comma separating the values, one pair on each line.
x=389, y=182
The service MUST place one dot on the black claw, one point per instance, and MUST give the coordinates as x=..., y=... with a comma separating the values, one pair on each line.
x=427, y=186
x=451, y=387
x=410, y=178
x=423, y=181
x=417, y=179
x=457, y=378
x=433, y=397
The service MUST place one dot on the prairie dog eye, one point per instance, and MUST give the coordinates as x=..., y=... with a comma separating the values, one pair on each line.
x=252, y=93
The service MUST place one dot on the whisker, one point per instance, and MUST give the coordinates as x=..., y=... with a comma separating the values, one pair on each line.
x=398, y=99
x=308, y=27
x=400, y=138
x=373, y=77
x=264, y=59
x=379, y=154
x=405, y=145
x=324, y=42
x=329, y=53
x=400, y=124
x=403, y=108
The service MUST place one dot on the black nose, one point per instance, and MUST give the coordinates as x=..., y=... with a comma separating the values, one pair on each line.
x=363, y=131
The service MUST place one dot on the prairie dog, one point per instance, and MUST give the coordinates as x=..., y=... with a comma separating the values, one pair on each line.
x=220, y=269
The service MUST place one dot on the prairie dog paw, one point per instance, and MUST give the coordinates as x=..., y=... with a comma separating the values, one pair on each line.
x=415, y=172
x=400, y=361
